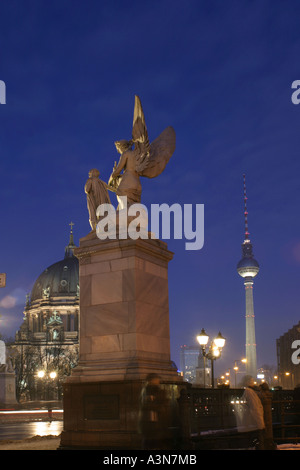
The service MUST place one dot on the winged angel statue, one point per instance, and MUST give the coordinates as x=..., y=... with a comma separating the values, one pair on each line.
x=139, y=158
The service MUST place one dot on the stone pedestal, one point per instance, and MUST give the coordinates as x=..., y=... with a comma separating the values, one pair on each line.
x=7, y=388
x=124, y=336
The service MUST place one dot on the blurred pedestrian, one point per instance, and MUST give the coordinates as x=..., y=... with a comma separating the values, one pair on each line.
x=266, y=399
x=154, y=414
x=250, y=414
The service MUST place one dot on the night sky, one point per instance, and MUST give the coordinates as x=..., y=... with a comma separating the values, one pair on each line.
x=220, y=73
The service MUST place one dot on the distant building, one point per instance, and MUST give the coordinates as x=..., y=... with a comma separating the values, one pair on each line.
x=49, y=332
x=189, y=362
x=193, y=367
x=288, y=358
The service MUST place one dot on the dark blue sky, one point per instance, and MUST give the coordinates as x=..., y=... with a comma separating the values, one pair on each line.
x=220, y=73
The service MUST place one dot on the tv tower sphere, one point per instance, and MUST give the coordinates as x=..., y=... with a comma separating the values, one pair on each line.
x=248, y=266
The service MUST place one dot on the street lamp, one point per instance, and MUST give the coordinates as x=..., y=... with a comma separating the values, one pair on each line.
x=202, y=338
x=219, y=341
x=291, y=381
x=48, y=378
x=236, y=368
x=214, y=350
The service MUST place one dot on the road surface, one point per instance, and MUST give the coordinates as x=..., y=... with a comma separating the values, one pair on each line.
x=18, y=431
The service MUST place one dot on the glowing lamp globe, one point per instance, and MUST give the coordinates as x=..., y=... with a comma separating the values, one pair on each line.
x=219, y=341
x=203, y=338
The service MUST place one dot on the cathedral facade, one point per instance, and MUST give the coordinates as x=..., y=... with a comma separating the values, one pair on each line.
x=48, y=335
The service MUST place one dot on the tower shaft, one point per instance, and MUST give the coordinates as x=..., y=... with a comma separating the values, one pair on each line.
x=251, y=364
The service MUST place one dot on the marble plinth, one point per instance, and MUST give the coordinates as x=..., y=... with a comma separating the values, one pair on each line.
x=124, y=310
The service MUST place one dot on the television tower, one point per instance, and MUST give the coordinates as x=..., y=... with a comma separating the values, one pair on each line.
x=248, y=268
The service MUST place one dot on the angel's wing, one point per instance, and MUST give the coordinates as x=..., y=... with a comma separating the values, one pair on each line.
x=161, y=150
x=139, y=132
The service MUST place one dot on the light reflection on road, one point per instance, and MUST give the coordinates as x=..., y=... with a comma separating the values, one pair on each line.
x=17, y=431
x=44, y=428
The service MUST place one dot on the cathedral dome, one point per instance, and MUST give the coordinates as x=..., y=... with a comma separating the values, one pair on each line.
x=61, y=279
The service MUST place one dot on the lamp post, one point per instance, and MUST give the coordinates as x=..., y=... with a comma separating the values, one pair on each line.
x=236, y=368
x=291, y=379
x=214, y=350
x=41, y=374
x=227, y=374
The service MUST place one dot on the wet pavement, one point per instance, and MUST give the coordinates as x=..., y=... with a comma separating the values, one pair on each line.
x=19, y=424
x=18, y=431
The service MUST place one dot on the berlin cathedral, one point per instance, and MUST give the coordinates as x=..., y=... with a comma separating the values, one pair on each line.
x=50, y=324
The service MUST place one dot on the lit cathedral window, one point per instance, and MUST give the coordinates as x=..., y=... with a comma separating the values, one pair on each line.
x=55, y=335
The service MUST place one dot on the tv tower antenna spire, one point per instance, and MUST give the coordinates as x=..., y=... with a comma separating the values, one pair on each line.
x=245, y=210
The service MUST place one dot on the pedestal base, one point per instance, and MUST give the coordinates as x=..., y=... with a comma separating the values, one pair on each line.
x=105, y=415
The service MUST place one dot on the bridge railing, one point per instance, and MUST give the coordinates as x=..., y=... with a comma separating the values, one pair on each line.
x=209, y=412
